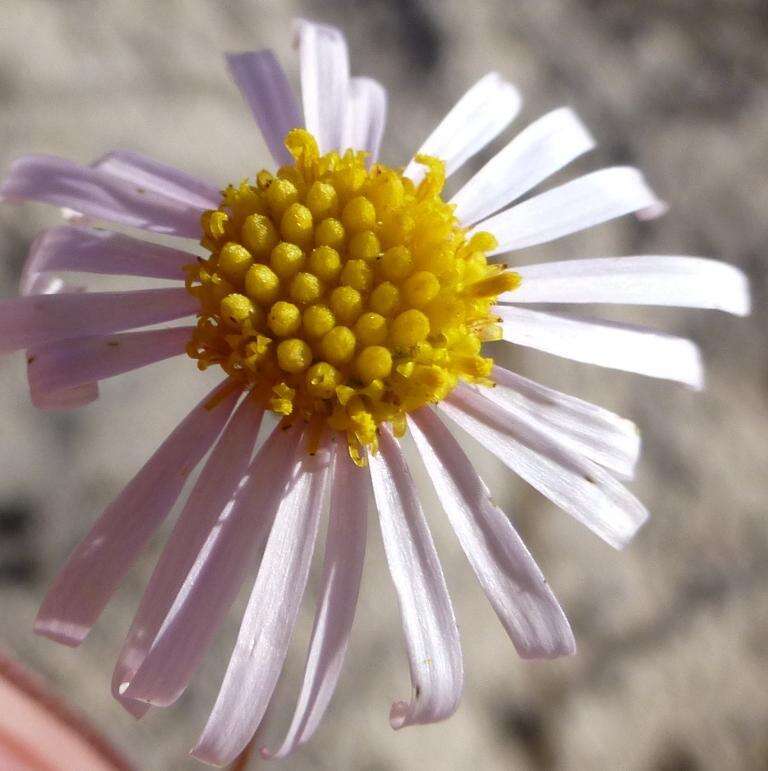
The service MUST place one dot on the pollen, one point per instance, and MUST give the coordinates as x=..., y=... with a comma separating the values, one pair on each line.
x=344, y=295
x=234, y=261
x=286, y=259
x=325, y=263
x=305, y=288
x=294, y=355
x=284, y=318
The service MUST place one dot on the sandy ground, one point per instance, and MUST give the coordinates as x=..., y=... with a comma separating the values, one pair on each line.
x=673, y=633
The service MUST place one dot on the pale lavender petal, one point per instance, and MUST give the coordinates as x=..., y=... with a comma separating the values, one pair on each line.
x=604, y=343
x=67, y=399
x=68, y=248
x=510, y=577
x=475, y=120
x=366, y=117
x=67, y=364
x=32, y=283
x=145, y=173
x=324, y=63
x=343, y=569
x=98, y=564
x=685, y=282
x=577, y=205
x=215, y=487
x=265, y=88
x=537, y=152
x=575, y=484
x=95, y=193
x=267, y=626
x=596, y=433
x=38, y=319
x=201, y=598
x=431, y=635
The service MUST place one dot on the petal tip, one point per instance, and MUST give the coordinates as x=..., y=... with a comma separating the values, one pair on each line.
x=68, y=634
x=652, y=212
x=397, y=715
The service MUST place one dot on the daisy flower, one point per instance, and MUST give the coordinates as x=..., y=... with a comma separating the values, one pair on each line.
x=355, y=302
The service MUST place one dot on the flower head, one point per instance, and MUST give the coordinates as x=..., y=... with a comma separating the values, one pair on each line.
x=343, y=295
x=353, y=301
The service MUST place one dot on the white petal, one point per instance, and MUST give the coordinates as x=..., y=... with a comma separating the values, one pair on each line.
x=686, y=282
x=101, y=560
x=343, y=569
x=366, y=116
x=89, y=250
x=600, y=435
x=537, y=152
x=265, y=88
x=267, y=625
x=505, y=569
x=431, y=636
x=215, y=487
x=148, y=174
x=577, y=205
x=474, y=121
x=578, y=486
x=36, y=278
x=324, y=81
x=605, y=343
x=192, y=603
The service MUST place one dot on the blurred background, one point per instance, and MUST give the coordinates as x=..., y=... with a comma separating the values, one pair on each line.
x=673, y=632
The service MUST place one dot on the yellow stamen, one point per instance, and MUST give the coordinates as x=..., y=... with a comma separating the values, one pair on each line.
x=493, y=286
x=284, y=318
x=344, y=296
x=286, y=259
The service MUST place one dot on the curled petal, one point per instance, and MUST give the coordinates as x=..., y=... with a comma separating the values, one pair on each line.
x=98, y=564
x=596, y=433
x=505, y=569
x=215, y=488
x=196, y=602
x=267, y=626
x=35, y=282
x=100, y=195
x=575, y=484
x=431, y=635
x=69, y=248
x=343, y=569
x=148, y=174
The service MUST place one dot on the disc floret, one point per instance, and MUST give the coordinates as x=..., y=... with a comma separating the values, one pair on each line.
x=344, y=295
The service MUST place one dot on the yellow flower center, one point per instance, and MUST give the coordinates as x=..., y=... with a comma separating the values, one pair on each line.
x=343, y=295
